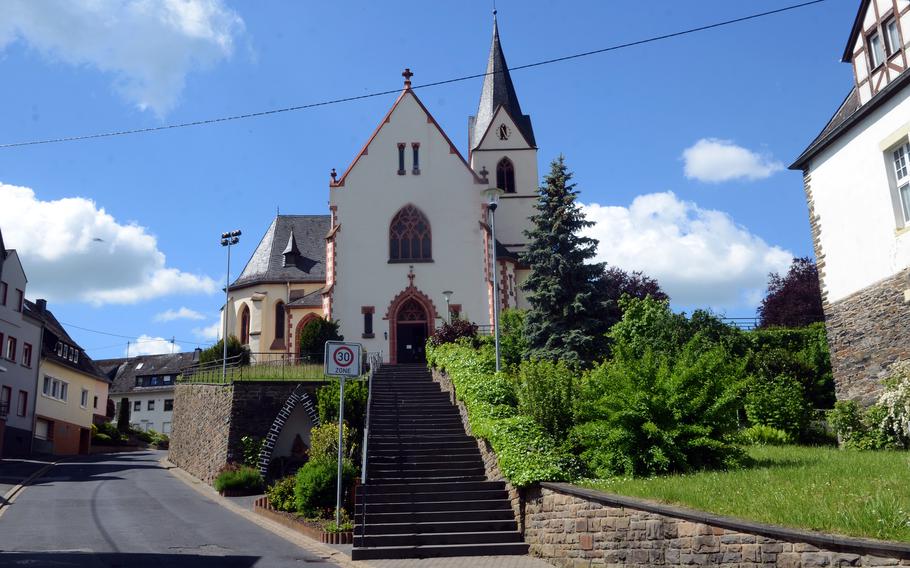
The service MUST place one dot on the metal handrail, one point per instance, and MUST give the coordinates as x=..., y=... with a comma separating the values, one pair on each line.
x=375, y=361
x=280, y=364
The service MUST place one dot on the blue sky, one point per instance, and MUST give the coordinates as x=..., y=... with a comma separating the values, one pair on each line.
x=679, y=147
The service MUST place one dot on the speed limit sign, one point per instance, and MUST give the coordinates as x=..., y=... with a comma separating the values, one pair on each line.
x=342, y=359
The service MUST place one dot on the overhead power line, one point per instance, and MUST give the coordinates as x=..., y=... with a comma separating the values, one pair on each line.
x=329, y=102
x=132, y=338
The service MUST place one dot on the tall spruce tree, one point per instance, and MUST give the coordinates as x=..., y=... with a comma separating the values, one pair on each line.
x=564, y=322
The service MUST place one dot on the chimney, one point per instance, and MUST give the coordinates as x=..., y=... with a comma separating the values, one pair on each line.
x=42, y=305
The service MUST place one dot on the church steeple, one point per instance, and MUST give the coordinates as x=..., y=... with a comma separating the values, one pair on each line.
x=497, y=91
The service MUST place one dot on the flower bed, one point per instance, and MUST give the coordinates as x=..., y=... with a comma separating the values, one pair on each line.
x=311, y=529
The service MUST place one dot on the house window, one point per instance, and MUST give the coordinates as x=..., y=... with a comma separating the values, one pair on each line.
x=901, y=160
x=165, y=427
x=3, y=287
x=22, y=406
x=6, y=393
x=279, y=320
x=415, y=149
x=59, y=349
x=151, y=405
x=27, y=354
x=55, y=388
x=876, y=49
x=137, y=406
x=95, y=403
x=401, y=171
x=892, y=36
x=168, y=379
x=505, y=175
x=11, y=348
x=409, y=236
x=169, y=405
x=83, y=402
x=245, y=325
x=367, y=312
x=20, y=299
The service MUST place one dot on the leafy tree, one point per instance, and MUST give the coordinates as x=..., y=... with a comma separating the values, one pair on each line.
x=793, y=300
x=615, y=283
x=315, y=334
x=234, y=349
x=564, y=321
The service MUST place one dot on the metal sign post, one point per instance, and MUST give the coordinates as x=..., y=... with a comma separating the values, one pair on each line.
x=341, y=360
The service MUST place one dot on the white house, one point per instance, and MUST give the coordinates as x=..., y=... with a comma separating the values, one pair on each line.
x=857, y=183
x=407, y=221
x=146, y=382
x=20, y=351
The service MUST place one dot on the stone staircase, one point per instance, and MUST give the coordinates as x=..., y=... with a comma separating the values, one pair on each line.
x=426, y=493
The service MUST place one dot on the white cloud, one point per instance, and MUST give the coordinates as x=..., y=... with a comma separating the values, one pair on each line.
x=73, y=251
x=148, y=46
x=182, y=313
x=148, y=345
x=700, y=257
x=714, y=160
x=209, y=332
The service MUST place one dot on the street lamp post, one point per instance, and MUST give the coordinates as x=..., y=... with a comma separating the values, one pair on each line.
x=492, y=195
x=448, y=294
x=227, y=239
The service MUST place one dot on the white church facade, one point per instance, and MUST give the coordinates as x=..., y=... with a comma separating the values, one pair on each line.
x=858, y=192
x=407, y=235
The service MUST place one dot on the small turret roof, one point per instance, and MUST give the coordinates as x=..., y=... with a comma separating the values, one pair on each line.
x=304, y=234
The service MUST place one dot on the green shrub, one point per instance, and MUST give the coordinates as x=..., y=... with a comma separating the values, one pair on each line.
x=451, y=332
x=142, y=436
x=779, y=403
x=760, y=435
x=895, y=402
x=234, y=349
x=235, y=477
x=315, y=486
x=250, y=447
x=355, y=403
x=545, y=392
x=649, y=414
x=314, y=335
x=512, y=340
x=324, y=442
x=860, y=429
x=281, y=494
x=102, y=439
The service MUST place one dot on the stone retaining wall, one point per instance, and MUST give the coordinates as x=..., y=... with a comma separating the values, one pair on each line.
x=200, y=429
x=574, y=527
x=867, y=333
x=210, y=420
x=490, y=461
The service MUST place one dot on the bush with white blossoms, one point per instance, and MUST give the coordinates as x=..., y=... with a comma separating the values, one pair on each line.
x=896, y=402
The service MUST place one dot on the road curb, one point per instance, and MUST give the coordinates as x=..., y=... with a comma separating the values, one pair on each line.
x=312, y=546
x=11, y=495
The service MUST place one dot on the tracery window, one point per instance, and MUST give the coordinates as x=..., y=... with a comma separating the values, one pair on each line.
x=245, y=326
x=279, y=320
x=505, y=175
x=412, y=311
x=409, y=236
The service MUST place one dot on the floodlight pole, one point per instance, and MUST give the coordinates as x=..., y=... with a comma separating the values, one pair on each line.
x=227, y=240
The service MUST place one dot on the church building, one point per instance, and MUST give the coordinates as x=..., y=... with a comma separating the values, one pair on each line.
x=406, y=243
x=857, y=187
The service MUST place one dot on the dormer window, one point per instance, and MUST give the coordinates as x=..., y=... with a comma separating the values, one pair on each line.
x=876, y=50
x=59, y=349
x=892, y=36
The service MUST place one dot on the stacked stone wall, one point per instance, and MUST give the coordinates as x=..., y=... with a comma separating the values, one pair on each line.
x=867, y=333
x=200, y=429
x=573, y=527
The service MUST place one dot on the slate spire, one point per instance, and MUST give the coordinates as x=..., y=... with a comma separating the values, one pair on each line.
x=291, y=252
x=497, y=91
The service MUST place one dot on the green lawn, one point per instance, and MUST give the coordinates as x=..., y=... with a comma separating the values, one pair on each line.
x=864, y=494
x=254, y=372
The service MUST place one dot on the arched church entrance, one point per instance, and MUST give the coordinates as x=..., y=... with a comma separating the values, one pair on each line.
x=412, y=328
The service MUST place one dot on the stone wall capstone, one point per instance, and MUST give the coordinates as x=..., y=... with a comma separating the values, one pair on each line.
x=867, y=333
x=200, y=429
x=573, y=527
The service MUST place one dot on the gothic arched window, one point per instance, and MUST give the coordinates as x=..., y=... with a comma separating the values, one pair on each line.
x=245, y=325
x=505, y=175
x=409, y=236
x=279, y=320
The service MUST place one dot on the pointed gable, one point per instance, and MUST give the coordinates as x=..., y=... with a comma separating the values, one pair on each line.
x=498, y=91
x=493, y=137
x=406, y=94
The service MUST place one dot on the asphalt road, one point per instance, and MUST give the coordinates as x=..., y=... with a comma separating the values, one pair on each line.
x=125, y=510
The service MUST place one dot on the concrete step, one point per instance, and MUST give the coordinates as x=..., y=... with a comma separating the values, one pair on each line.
x=438, y=516
x=443, y=551
x=378, y=529
x=436, y=496
x=429, y=539
x=434, y=506
x=371, y=489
